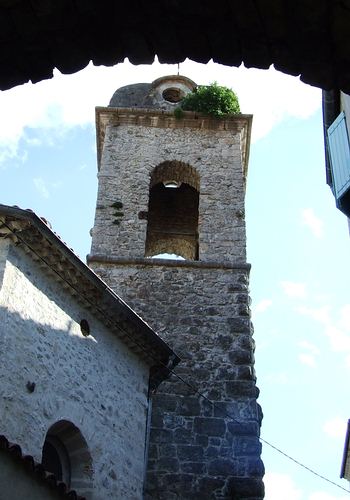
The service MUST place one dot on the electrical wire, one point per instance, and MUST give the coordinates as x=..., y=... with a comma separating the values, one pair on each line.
x=179, y=377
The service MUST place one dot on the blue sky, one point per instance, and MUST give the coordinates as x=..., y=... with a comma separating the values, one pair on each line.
x=298, y=243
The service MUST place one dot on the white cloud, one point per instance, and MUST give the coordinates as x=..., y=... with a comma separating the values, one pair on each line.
x=41, y=186
x=335, y=427
x=307, y=359
x=293, y=289
x=313, y=222
x=69, y=100
x=320, y=495
x=344, y=320
x=337, y=331
x=320, y=314
x=276, y=483
x=305, y=344
x=44, y=187
x=262, y=305
x=339, y=340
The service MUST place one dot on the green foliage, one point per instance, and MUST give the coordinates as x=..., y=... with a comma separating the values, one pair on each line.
x=118, y=214
x=212, y=100
x=117, y=204
x=178, y=113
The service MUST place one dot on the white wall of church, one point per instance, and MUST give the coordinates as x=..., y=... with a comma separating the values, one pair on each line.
x=95, y=382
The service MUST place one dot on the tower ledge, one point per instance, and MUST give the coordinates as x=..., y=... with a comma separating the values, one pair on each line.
x=107, y=116
x=107, y=259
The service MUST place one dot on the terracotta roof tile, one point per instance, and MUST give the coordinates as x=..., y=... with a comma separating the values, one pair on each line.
x=15, y=452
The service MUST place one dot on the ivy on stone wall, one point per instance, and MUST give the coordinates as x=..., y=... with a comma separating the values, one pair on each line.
x=118, y=205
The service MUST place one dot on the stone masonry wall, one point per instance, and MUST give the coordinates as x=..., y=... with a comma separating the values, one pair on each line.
x=196, y=451
x=201, y=308
x=95, y=382
x=130, y=154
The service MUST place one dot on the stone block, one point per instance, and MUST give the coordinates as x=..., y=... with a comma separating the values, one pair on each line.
x=241, y=488
x=238, y=325
x=193, y=467
x=167, y=464
x=240, y=388
x=255, y=467
x=182, y=435
x=243, y=429
x=188, y=406
x=241, y=357
x=222, y=467
x=161, y=436
x=209, y=426
x=190, y=453
x=247, y=446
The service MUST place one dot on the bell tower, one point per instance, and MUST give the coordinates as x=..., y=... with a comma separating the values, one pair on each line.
x=174, y=186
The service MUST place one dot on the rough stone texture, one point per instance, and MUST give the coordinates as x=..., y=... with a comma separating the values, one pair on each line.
x=198, y=450
x=95, y=382
x=131, y=153
x=193, y=309
x=150, y=95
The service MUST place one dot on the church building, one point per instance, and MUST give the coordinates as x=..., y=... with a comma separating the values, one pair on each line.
x=78, y=370
x=169, y=237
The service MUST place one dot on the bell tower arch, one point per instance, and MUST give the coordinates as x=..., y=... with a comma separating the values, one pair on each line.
x=172, y=225
x=172, y=185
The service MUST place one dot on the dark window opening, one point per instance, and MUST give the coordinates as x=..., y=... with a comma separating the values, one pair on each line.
x=55, y=459
x=85, y=327
x=173, y=211
x=173, y=95
x=66, y=455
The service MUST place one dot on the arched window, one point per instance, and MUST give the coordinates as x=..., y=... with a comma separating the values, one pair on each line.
x=173, y=211
x=66, y=455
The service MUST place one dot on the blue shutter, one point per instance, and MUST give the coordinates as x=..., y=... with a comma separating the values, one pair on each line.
x=339, y=152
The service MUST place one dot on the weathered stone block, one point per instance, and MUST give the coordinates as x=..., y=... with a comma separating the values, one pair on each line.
x=241, y=488
x=161, y=436
x=238, y=325
x=255, y=467
x=243, y=429
x=182, y=435
x=193, y=467
x=190, y=453
x=247, y=446
x=167, y=464
x=240, y=389
x=209, y=426
x=188, y=406
x=241, y=357
x=222, y=467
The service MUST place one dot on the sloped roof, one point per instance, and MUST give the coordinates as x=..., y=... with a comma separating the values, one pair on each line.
x=345, y=466
x=34, y=234
x=307, y=38
x=36, y=471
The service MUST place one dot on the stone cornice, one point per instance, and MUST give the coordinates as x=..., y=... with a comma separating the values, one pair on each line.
x=151, y=262
x=239, y=123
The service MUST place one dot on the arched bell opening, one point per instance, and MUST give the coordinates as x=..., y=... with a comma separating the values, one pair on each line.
x=173, y=211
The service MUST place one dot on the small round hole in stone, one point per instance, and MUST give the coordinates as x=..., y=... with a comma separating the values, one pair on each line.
x=84, y=327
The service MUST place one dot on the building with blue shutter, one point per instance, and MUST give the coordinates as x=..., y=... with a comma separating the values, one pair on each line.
x=336, y=118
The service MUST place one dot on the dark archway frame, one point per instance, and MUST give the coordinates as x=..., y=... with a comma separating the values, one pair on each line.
x=309, y=39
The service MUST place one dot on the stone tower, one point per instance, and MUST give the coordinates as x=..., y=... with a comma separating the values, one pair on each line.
x=172, y=185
